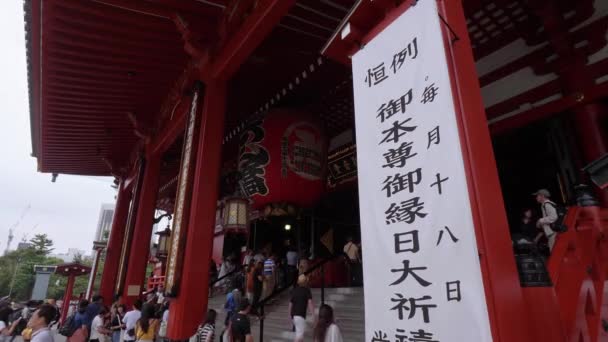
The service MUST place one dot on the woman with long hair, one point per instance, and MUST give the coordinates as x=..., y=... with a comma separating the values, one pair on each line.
x=116, y=325
x=326, y=329
x=146, y=327
x=206, y=331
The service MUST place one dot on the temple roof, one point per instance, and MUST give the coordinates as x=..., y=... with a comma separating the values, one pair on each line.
x=102, y=73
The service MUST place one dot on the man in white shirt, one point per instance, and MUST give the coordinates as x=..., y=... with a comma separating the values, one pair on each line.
x=131, y=319
x=39, y=322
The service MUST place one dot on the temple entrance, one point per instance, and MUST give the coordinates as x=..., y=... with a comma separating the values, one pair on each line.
x=535, y=157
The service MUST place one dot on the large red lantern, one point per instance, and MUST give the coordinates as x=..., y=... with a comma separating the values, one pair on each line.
x=282, y=159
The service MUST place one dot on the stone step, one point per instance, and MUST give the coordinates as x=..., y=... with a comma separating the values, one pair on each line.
x=348, y=308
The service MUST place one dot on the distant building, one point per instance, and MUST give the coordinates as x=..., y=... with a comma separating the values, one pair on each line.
x=104, y=225
x=23, y=245
x=69, y=256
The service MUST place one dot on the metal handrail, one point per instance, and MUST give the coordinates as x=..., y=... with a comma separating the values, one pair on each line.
x=238, y=268
x=277, y=292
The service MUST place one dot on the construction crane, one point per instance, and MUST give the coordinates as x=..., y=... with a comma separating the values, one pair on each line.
x=12, y=228
x=24, y=238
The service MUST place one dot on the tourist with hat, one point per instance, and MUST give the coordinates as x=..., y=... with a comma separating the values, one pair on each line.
x=549, y=215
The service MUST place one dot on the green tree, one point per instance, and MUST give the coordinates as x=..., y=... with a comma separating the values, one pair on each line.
x=42, y=244
x=17, y=274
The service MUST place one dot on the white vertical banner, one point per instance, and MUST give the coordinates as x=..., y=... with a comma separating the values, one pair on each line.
x=421, y=267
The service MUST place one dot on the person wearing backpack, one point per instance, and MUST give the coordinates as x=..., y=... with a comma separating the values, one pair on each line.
x=549, y=217
x=80, y=324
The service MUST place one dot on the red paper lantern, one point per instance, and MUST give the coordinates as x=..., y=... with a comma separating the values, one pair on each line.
x=283, y=159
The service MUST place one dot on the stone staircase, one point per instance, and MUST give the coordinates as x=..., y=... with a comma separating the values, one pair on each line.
x=346, y=302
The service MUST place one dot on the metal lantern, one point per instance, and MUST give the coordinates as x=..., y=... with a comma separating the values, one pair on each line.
x=236, y=214
x=164, y=243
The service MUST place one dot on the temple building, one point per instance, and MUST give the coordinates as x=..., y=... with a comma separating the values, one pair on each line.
x=245, y=121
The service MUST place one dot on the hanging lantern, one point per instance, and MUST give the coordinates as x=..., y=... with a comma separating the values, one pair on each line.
x=164, y=243
x=283, y=160
x=236, y=214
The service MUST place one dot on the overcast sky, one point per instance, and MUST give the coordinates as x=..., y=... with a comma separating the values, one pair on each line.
x=67, y=210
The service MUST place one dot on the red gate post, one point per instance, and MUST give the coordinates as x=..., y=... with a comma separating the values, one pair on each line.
x=142, y=234
x=71, y=270
x=188, y=309
x=67, y=298
x=119, y=222
x=504, y=296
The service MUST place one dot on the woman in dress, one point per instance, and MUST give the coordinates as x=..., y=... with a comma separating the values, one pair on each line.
x=326, y=329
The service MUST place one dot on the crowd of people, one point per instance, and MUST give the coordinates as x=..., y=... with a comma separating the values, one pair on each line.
x=245, y=282
x=31, y=321
x=256, y=278
x=95, y=322
x=239, y=311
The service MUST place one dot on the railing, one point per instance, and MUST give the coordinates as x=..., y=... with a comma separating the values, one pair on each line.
x=160, y=280
x=279, y=291
x=155, y=281
x=573, y=309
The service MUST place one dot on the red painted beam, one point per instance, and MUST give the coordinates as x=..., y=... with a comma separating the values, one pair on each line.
x=142, y=233
x=189, y=308
x=174, y=128
x=108, y=277
x=547, y=110
x=241, y=44
x=506, y=306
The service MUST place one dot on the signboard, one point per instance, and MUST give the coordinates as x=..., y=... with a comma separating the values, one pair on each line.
x=421, y=266
x=184, y=195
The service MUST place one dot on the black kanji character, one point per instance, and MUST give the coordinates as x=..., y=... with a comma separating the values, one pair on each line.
x=453, y=290
x=413, y=240
x=380, y=336
x=399, y=182
x=421, y=336
x=406, y=211
x=434, y=137
x=375, y=75
x=454, y=239
x=398, y=130
x=395, y=106
x=400, y=336
x=407, y=270
x=411, y=50
x=397, y=157
x=402, y=305
x=429, y=94
x=439, y=182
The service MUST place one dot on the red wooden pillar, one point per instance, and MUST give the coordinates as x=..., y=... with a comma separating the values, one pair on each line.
x=119, y=222
x=142, y=234
x=189, y=308
x=590, y=122
x=67, y=297
x=504, y=296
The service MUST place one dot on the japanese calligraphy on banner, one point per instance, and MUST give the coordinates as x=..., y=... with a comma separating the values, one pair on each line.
x=421, y=266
